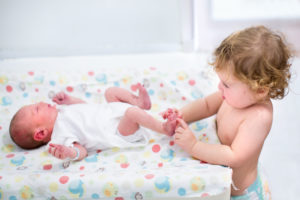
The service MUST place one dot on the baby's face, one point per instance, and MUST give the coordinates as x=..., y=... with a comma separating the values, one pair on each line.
x=235, y=92
x=39, y=115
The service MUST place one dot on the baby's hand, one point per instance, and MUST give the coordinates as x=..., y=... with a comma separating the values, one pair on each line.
x=62, y=98
x=61, y=151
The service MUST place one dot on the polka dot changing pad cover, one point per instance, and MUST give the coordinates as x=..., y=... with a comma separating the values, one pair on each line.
x=159, y=170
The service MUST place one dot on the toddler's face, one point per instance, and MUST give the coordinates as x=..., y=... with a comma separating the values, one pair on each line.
x=235, y=92
x=39, y=114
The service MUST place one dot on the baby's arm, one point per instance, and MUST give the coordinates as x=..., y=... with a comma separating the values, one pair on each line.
x=62, y=98
x=77, y=152
x=202, y=108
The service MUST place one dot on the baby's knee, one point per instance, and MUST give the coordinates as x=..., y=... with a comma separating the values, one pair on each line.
x=110, y=94
x=132, y=112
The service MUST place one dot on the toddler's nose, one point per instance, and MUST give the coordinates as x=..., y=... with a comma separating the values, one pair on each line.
x=220, y=86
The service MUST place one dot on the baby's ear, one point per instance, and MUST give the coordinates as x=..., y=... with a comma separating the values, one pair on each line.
x=40, y=134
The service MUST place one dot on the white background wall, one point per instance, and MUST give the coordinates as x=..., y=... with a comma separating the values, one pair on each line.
x=209, y=32
x=82, y=27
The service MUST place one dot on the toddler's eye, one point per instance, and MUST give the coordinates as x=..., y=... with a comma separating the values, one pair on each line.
x=225, y=85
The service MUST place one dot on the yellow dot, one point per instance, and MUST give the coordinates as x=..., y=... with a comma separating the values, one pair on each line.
x=115, y=149
x=18, y=179
x=151, y=141
x=44, y=154
x=139, y=182
x=146, y=72
x=53, y=187
x=147, y=154
x=8, y=148
x=84, y=77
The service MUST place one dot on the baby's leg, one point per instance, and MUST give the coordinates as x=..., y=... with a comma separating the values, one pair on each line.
x=135, y=117
x=115, y=94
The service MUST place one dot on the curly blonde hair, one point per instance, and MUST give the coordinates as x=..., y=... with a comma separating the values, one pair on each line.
x=259, y=57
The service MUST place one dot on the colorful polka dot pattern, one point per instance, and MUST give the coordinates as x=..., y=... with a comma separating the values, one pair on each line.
x=161, y=169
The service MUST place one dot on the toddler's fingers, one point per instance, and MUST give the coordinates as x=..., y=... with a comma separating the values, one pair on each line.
x=182, y=123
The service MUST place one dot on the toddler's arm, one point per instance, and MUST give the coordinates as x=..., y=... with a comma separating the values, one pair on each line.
x=62, y=98
x=247, y=143
x=202, y=108
x=77, y=152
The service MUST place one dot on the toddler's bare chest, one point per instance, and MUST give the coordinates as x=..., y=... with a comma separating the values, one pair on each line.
x=228, y=122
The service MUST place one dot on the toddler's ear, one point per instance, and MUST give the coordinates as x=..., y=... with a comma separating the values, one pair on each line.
x=263, y=92
x=40, y=134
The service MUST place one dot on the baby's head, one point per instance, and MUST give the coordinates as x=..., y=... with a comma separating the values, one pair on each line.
x=31, y=127
x=258, y=57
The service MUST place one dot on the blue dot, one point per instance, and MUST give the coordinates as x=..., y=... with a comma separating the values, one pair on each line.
x=12, y=198
x=117, y=84
x=95, y=196
x=88, y=94
x=151, y=92
x=181, y=192
x=25, y=95
x=173, y=82
x=6, y=101
x=52, y=83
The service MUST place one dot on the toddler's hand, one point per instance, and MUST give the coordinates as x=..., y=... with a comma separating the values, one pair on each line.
x=184, y=137
x=61, y=151
x=62, y=98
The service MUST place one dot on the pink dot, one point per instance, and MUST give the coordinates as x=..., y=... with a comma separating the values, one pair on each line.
x=63, y=179
x=149, y=176
x=171, y=143
x=47, y=167
x=99, y=151
x=91, y=73
x=152, y=68
x=70, y=89
x=31, y=73
x=9, y=88
x=119, y=198
x=192, y=82
x=124, y=165
x=36, y=89
x=81, y=168
x=183, y=98
x=161, y=85
x=98, y=90
x=160, y=164
x=10, y=155
x=205, y=195
x=156, y=148
x=0, y=127
x=133, y=87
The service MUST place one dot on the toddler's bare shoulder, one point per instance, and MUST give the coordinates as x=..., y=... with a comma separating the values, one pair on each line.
x=262, y=113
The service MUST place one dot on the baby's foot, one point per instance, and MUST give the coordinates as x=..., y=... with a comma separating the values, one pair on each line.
x=170, y=125
x=143, y=100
